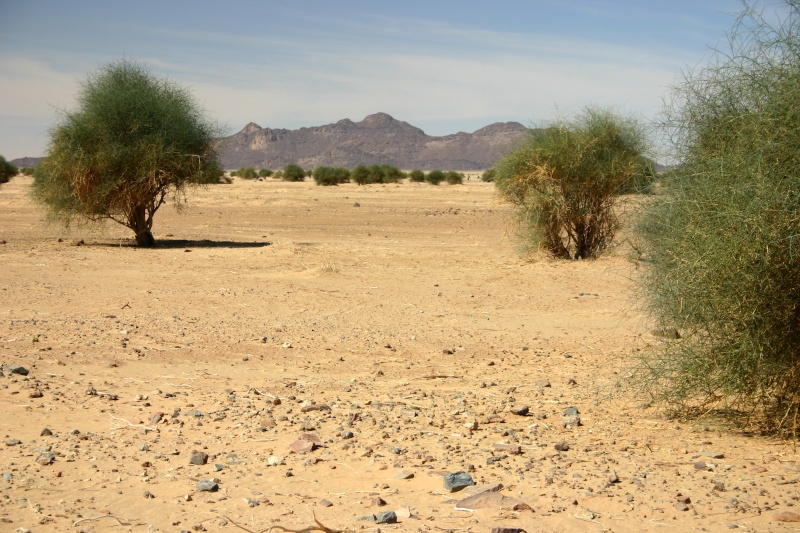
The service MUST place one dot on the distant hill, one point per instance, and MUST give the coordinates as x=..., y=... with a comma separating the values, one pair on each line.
x=26, y=162
x=378, y=139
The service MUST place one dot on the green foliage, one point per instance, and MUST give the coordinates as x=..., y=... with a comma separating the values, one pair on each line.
x=721, y=243
x=264, y=173
x=564, y=178
x=643, y=180
x=27, y=171
x=7, y=170
x=278, y=175
x=434, y=177
x=134, y=141
x=309, y=172
x=364, y=175
x=247, y=173
x=488, y=175
x=331, y=175
x=454, y=178
x=293, y=172
x=417, y=176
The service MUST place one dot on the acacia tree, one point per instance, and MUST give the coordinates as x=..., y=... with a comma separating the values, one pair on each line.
x=564, y=180
x=133, y=142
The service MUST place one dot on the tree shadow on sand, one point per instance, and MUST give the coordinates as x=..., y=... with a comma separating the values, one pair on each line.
x=171, y=244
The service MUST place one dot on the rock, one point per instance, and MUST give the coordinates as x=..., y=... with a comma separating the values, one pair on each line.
x=562, y=446
x=356, y=204
x=198, y=458
x=786, y=516
x=680, y=506
x=700, y=465
x=712, y=455
x=378, y=502
x=521, y=411
x=156, y=418
x=307, y=442
x=404, y=474
x=315, y=407
x=572, y=382
x=207, y=485
x=570, y=418
x=148, y=495
x=508, y=530
x=275, y=460
x=512, y=449
x=13, y=442
x=613, y=477
x=386, y=517
x=758, y=469
x=490, y=500
x=478, y=489
x=347, y=434
x=495, y=458
x=456, y=481
x=542, y=384
x=17, y=369
x=46, y=458
x=46, y=433
x=325, y=503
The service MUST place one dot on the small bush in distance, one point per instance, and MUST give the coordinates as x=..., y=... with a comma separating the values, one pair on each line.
x=454, y=178
x=434, y=177
x=721, y=239
x=564, y=179
x=488, y=176
x=293, y=172
x=7, y=170
x=248, y=173
x=331, y=176
x=278, y=175
x=264, y=173
x=416, y=175
x=27, y=171
x=391, y=174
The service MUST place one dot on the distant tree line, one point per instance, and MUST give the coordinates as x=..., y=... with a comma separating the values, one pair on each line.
x=361, y=175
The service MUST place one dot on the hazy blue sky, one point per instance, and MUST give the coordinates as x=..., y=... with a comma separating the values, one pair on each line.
x=444, y=66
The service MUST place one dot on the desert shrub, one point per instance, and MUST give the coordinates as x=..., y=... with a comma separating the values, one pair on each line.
x=247, y=173
x=27, y=171
x=360, y=175
x=331, y=175
x=488, y=175
x=454, y=178
x=278, y=175
x=563, y=180
x=134, y=142
x=293, y=172
x=7, y=170
x=391, y=174
x=264, y=173
x=642, y=180
x=434, y=177
x=308, y=172
x=416, y=176
x=721, y=240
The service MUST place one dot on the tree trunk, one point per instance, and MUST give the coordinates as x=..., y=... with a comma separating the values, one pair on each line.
x=138, y=223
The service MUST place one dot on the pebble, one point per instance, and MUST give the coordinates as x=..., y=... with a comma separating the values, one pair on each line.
x=508, y=530
x=325, y=503
x=275, y=460
x=562, y=446
x=457, y=480
x=13, y=442
x=404, y=474
x=378, y=502
x=521, y=411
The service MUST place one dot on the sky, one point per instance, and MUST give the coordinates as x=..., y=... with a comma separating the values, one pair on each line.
x=442, y=65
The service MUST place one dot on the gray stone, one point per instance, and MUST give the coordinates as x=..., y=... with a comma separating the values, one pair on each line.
x=521, y=411
x=207, y=485
x=198, y=458
x=17, y=369
x=562, y=446
x=13, y=442
x=404, y=474
x=456, y=481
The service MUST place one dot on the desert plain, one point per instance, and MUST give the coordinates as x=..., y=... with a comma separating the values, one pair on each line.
x=292, y=355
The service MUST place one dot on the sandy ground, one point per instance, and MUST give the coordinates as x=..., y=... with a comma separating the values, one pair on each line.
x=396, y=324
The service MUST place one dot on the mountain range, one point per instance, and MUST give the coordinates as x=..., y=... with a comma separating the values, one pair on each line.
x=378, y=139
